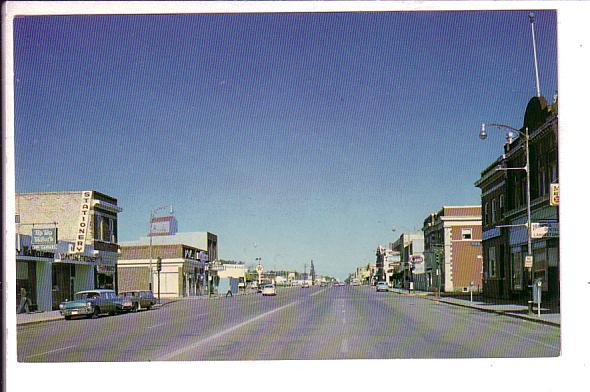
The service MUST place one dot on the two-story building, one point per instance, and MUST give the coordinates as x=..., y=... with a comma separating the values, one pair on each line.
x=454, y=233
x=505, y=249
x=83, y=252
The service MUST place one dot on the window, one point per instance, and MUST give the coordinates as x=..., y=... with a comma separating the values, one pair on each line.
x=466, y=234
x=553, y=170
x=493, y=211
x=542, y=180
x=501, y=205
x=485, y=214
x=492, y=262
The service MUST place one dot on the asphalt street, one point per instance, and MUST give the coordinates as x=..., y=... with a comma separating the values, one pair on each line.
x=315, y=323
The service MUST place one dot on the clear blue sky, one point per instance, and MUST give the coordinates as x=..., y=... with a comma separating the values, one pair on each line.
x=291, y=136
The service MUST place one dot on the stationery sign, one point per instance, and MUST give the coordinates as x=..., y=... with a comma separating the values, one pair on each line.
x=82, y=229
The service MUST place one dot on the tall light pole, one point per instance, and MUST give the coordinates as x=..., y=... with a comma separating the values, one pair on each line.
x=526, y=168
x=532, y=20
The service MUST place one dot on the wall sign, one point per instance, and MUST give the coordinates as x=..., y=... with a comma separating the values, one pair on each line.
x=83, y=222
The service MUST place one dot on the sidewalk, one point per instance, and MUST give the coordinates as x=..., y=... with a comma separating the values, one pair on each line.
x=548, y=316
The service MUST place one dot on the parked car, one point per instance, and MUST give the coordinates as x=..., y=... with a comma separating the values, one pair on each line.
x=269, y=289
x=305, y=285
x=91, y=303
x=135, y=300
x=382, y=286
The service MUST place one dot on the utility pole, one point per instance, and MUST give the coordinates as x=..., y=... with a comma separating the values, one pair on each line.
x=312, y=273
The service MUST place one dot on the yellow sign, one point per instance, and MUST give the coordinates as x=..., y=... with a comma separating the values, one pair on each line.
x=554, y=195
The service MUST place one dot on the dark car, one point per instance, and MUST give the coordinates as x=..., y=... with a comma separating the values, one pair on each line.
x=134, y=300
x=91, y=303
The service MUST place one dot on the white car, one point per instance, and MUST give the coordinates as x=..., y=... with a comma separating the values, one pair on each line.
x=269, y=289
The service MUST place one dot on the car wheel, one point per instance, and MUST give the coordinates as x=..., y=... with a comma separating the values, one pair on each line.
x=96, y=312
x=68, y=317
x=149, y=307
x=135, y=307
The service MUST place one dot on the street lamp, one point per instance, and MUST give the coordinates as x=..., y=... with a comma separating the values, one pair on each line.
x=526, y=168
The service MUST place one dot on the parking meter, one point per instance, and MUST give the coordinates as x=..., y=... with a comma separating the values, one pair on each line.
x=537, y=290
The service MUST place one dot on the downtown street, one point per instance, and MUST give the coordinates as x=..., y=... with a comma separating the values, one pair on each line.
x=316, y=323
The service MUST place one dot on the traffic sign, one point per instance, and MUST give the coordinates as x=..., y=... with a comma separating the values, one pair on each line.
x=528, y=262
x=259, y=268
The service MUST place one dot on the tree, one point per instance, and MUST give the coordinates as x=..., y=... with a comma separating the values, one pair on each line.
x=312, y=273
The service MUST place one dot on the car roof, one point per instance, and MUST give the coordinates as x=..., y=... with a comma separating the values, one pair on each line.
x=96, y=291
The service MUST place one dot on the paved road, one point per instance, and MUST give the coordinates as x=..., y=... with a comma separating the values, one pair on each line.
x=316, y=323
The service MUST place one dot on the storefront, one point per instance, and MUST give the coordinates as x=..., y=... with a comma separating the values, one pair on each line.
x=33, y=275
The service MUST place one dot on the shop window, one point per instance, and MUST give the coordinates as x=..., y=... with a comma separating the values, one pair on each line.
x=466, y=234
x=492, y=262
x=516, y=271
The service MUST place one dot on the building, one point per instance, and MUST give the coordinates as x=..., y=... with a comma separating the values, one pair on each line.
x=410, y=269
x=77, y=234
x=453, y=237
x=504, y=196
x=185, y=260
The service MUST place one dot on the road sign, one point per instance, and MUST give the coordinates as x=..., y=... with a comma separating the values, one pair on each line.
x=528, y=262
x=259, y=268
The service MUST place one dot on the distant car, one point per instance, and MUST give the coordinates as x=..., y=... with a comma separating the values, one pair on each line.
x=382, y=286
x=91, y=303
x=269, y=289
x=323, y=284
x=355, y=283
x=135, y=300
x=305, y=285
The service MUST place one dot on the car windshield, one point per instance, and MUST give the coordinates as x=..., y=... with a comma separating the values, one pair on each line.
x=86, y=295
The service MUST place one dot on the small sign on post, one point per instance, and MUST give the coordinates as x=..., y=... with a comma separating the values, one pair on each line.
x=528, y=262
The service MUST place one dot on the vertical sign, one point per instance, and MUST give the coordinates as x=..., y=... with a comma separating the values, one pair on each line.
x=82, y=229
x=554, y=195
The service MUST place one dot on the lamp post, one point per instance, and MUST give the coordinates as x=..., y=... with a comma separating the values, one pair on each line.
x=526, y=168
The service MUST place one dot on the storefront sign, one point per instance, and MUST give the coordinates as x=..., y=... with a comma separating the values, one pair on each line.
x=194, y=254
x=83, y=222
x=108, y=269
x=554, y=195
x=75, y=258
x=44, y=238
x=545, y=229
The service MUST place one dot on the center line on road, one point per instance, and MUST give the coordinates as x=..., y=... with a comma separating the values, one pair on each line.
x=344, y=348
x=49, y=352
x=220, y=334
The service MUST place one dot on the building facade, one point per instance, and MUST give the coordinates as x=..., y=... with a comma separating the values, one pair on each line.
x=186, y=257
x=83, y=250
x=180, y=274
x=410, y=271
x=454, y=234
x=506, y=275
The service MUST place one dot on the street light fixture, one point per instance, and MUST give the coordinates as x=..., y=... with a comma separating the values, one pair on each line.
x=526, y=168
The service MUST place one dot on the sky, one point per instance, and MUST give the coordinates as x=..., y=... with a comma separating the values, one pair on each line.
x=293, y=137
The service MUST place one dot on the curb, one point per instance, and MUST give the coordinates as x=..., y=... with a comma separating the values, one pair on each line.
x=38, y=321
x=502, y=313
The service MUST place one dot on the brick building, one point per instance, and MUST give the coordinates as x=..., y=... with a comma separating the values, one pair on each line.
x=454, y=232
x=505, y=248
x=84, y=253
x=185, y=263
